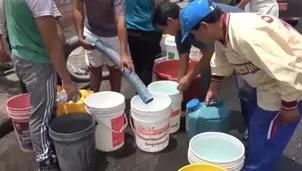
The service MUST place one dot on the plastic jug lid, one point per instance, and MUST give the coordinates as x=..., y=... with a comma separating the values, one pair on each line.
x=193, y=104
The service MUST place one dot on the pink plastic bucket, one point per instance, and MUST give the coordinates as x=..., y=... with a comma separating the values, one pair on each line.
x=19, y=103
x=19, y=110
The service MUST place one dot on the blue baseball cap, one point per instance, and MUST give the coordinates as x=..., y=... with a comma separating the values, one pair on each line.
x=195, y=12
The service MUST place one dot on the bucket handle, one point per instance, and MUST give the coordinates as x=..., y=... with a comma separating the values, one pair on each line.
x=147, y=139
x=115, y=131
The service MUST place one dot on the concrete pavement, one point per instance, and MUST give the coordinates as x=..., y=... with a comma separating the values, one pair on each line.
x=130, y=158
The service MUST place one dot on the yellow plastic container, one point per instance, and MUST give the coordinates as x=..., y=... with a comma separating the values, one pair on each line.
x=201, y=167
x=72, y=107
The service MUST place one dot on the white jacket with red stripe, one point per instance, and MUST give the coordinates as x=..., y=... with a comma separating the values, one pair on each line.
x=267, y=52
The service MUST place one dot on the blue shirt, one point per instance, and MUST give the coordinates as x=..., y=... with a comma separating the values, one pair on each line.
x=185, y=46
x=139, y=15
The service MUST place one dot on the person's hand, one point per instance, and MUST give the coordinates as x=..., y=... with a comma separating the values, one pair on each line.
x=184, y=83
x=289, y=116
x=86, y=45
x=72, y=92
x=211, y=94
x=127, y=61
x=4, y=57
x=240, y=7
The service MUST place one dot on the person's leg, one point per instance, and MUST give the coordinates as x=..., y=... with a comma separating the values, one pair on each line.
x=268, y=137
x=95, y=63
x=151, y=49
x=115, y=76
x=135, y=50
x=40, y=81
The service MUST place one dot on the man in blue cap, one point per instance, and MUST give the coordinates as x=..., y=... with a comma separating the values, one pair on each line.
x=267, y=52
x=166, y=19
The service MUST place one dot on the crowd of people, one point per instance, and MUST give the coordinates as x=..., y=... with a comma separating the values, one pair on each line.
x=262, y=52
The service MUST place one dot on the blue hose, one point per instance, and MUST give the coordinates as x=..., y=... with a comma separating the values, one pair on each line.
x=115, y=57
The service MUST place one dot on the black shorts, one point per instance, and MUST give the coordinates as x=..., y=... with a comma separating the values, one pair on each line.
x=144, y=48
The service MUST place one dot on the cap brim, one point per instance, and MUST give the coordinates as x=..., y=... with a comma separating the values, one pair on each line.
x=185, y=36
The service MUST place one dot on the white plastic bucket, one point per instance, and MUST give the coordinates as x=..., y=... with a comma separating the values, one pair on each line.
x=195, y=53
x=169, y=88
x=151, y=122
x=171, y=49
x=218, y=149
x=109, y=110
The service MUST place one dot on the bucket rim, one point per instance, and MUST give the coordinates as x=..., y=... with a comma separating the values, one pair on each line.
x=199, y=164
x=148, y=121
x=142, y=110
x=55, y=137
x=169, y=77
x=220, y=134
x=14, y=98
x=18, y=116
x=149, y=87
x=228, y=165
x=25, y=119
x=170, y=40
x=105, y=112
x=113, y=107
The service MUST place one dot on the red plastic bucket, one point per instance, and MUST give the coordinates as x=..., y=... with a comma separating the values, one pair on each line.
x=168, y=70
x=19, y=110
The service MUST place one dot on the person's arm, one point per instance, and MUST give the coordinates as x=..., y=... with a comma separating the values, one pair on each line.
x=3, y=55
x=43, y=13
x=2, y=23
x=220, y=66
x=78, y=17
x=243, y=3
x=203, y=64
x=119, y=7
x=183, y=49
x=58, y=15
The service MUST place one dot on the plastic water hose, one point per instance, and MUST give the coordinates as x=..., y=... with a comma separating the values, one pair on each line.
x=115, y=57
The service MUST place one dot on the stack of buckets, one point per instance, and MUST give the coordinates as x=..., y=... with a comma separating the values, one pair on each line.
x=108, y=108
x=19, y=110
x=218, y=149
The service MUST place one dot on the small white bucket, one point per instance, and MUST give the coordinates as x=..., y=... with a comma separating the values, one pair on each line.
x=171, y=49
x=195, y=53
x=169, y=88
x=108, y=108
x=151, y=122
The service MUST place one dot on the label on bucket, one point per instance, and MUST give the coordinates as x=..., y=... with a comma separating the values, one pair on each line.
x=171, y=55
x=117, y=124
x=22, y=132
x=175, y=113
x=152, y=131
